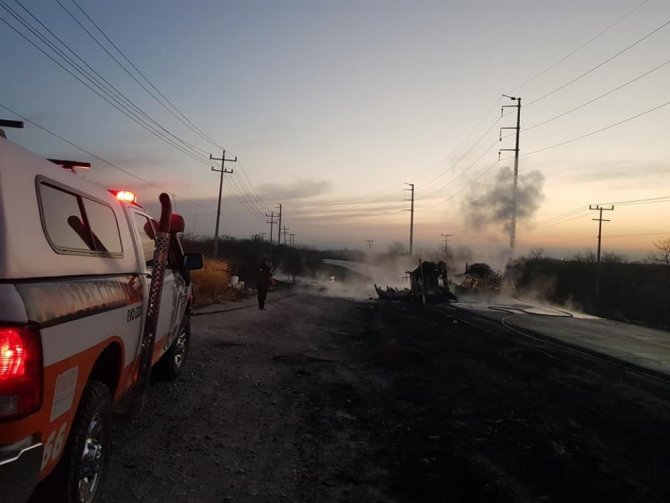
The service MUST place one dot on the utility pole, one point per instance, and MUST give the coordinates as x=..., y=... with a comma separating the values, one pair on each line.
x=369, y=242
x=279, y=232
x=222, y=171
x=272, y=222
x=285, y=232
x=411, y=218
x=291, y=239
x=600, y=221
x=446, y=241
x=515, y=184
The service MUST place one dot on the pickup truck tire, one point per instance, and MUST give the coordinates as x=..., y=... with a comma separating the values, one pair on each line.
x=171, y=364
x=86, y=456
x=83, y=464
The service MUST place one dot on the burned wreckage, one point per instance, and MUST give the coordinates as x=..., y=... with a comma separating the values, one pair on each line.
x=429, y=283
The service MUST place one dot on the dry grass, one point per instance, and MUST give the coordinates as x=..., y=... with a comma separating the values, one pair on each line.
x=212, y=282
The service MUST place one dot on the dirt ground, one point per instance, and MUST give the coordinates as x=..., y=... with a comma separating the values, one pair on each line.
x=319, y=399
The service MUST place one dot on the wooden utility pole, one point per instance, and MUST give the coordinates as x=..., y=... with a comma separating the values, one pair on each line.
x=272, y=222
x=515, y=183
x=279, y=228
x=600, y=221
x=285, y=232
x=446, y=244
x=369, y=242
x=291, y=239
x=221, y=171
x=411, y=218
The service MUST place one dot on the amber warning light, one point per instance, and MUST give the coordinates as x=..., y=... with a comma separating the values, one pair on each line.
x=124, y=195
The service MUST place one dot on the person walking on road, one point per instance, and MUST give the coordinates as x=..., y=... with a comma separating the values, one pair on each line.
x=263, y=282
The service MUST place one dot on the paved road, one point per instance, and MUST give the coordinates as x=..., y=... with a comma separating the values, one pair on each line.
x=644, y=347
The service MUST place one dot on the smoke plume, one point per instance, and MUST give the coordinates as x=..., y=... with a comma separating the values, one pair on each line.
x=491, y=202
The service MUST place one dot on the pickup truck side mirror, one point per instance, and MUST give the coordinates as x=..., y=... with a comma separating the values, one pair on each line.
x=192, y=261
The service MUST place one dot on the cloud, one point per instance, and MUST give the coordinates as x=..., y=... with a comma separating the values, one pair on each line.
x=299, y=189
x=620, y=171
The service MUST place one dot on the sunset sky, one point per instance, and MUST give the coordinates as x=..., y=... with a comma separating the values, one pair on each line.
x=333, y=106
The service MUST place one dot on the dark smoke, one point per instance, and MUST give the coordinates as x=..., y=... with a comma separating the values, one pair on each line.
x=490, y=202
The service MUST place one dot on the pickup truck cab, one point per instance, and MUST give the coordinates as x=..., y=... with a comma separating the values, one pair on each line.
x=77, y=320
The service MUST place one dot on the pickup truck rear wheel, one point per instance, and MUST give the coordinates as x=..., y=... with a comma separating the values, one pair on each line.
x=86, y=455
x=171, y=364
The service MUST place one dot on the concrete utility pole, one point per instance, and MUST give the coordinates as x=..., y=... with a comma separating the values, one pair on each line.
x=515, y=185
x=272, y=222
x=222, y=171
x=285, y=232
x=411, y=218
x=279, y=233
x=600, y=221
x=369, y=242
x=446, y=243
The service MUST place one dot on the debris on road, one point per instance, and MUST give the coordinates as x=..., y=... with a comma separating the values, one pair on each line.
x=428, y=283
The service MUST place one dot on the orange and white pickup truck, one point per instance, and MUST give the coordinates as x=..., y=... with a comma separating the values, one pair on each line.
x=94, y=295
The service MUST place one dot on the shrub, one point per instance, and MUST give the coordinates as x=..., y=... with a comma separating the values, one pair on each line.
x=212, y=282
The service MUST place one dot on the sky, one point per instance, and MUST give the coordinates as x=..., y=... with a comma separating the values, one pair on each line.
x=332, y=108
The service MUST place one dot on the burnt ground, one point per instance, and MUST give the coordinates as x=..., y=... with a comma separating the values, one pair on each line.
x=328, y=400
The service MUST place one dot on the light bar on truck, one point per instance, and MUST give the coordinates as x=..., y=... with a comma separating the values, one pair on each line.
x=124, y=195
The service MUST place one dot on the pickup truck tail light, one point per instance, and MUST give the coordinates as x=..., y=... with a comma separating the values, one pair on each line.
x=21, y=374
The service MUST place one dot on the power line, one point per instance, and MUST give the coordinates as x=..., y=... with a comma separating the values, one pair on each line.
x=103, y=88
x=82, y=148
x=574, y=51
x=171, y=108
x=598, y=97
x=649, y=200
x=127, y=103
x=599, y=65
x=250, y=185
x=118, y=101
x=598, y=130
x=462, y=175
x=583, y=211
x=453, y=165
x=562, y=221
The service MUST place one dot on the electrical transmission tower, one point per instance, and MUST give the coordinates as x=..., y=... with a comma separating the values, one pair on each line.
x=222, y=172
x=515, y=183
x=411, y=218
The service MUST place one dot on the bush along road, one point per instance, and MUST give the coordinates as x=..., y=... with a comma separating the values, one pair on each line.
x=320, y=399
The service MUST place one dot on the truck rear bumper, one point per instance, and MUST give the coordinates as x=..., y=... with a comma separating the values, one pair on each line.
x=19, y=471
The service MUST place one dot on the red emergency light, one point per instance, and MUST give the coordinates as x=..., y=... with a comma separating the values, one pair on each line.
x=125, y=195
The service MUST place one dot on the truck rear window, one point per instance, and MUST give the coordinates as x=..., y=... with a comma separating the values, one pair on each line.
x=77, y=224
